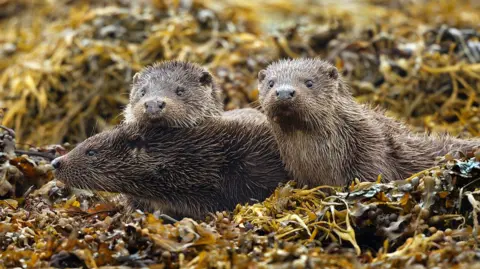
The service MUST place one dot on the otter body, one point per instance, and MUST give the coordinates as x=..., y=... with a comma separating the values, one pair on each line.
x=251, y=115
x=184, y=172
x=326, y=137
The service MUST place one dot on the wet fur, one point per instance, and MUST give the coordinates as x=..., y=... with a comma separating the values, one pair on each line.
x=201, y=98
x=326, y=137
x=251, y=115
x=203, y=103
x=184, y=172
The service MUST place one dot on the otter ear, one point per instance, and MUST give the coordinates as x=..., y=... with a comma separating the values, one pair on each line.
x=136, y=77
x=206, y=78
x=332, y=72
x=261, y=75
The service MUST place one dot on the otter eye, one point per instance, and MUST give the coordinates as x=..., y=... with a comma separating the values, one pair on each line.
x=309, y=83
x=143, y=92
x=91, y=152
x=271, y=83
x=180, y=91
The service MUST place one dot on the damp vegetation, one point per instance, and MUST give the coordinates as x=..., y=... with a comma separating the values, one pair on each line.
x=65, y=71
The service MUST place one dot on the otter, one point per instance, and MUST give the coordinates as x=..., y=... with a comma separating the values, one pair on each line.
x=174, y=94
x=179, y=94
x=247, y=114
x=183, y=172
x=326, y=137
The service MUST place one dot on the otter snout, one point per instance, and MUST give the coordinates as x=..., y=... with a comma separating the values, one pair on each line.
x=154, y=106
x=57, y=162
x=285, y=93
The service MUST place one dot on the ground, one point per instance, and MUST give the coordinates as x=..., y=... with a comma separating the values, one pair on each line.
x=65, y=71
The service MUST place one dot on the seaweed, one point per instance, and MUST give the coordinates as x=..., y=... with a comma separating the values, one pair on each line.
x=65, y=70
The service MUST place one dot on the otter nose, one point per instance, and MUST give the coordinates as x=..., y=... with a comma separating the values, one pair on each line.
x=285, y=93
x=154, y=106
x=56, y=163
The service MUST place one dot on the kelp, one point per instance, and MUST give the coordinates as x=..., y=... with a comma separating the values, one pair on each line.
x=66, y=67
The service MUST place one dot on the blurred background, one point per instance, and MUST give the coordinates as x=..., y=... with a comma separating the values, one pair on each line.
x=66, y=65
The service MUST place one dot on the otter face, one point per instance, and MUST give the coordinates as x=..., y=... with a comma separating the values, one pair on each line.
x=107, y=162
x=298, y=93
x=174, y=94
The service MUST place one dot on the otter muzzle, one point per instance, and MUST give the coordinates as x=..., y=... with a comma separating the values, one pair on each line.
x=285, y=93
x=56, y=163
x=154, y=106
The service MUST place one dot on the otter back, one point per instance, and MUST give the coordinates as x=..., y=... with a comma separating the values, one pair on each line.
x=245, y=114
x=182, y=171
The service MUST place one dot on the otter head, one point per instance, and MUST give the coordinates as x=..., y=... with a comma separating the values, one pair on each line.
x=300, y=94
x=174, y=94
x=149, y=162
x=106, y=161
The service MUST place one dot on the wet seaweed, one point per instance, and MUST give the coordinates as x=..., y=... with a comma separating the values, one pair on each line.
x=65, y=70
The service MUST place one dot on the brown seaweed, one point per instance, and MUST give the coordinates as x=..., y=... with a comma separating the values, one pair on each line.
x=65, y=70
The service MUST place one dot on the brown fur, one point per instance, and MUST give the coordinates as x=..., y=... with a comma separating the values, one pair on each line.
x=181, y=171
x=188, y=91
x=201, y=98
x=326, y=137
x=245, y=114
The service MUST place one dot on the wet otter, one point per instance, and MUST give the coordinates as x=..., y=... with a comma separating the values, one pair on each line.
x=184, y=172
x=251, y=115
x=326, y=137
x=179, y=94
x=173, y=93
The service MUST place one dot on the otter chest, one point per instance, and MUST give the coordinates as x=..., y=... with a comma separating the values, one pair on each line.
x=309, y=159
